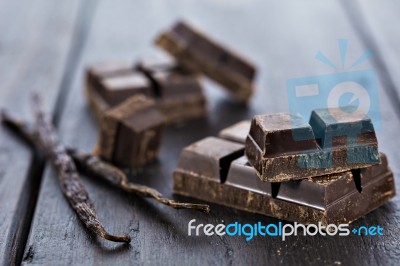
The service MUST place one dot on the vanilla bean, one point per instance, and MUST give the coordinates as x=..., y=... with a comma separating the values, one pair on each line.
x=44, y=137
x=93, y=165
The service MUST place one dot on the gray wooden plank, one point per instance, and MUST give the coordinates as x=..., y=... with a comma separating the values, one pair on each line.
x=376, y=23
x=282, y=39
x=380, y=22
x=34, y=44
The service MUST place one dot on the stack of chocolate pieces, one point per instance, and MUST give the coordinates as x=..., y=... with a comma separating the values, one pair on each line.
x=178, y=94
x=132, y=103
x=173, y=84
x=131, y=133
x=328, y=170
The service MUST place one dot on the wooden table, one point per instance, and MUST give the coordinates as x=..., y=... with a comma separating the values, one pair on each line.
x=45, y=46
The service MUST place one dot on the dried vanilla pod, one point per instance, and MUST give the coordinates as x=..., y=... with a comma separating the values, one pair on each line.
x=45, y=138
x=93, y=165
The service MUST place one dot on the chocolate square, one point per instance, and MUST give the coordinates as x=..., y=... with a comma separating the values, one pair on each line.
x=210, y=157
x=116, y=89
x=130, y=134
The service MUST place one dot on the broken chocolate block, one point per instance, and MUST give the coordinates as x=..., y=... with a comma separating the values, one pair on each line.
x=283, y=147
x=320, y=192
x=101, y=70
x=178, y=94
x=94, y=75
x=117, y=89
x=196, y=52
x=210, y=157
x=330, y=199
x=130, y=133
x=149, y=66
x=337, y=127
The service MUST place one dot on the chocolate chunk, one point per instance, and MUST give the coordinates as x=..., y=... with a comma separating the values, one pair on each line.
x=319, y=192
x=274, y=134
x=130, y=134
x=169, y=78
x=238, y=132
x=150, y=66
x=283, y=147
x=94, y=75
x=330, y=199
x=337, y=127
x=181, y=96
x=174, y=85
x=178, y=94
x=210, y=157
x=116, y=89
x=199, y=53
x=116, y=82
x=98, y=71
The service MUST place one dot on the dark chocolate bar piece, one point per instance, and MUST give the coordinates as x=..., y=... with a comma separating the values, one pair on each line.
x=319, y=192
x=150, y=66
x=130, y=133
x=337, y=127
x=284, y=147
x=180, y=94
x=199, y=53
x=210, y=157
x=94, y=75
x=98, y=71
x=331, y=199
x=116, y=89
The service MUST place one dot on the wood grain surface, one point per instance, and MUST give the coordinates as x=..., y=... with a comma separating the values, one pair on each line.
x=35, y=42
x=281, y=38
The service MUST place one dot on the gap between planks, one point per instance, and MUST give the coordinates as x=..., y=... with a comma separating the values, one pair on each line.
x=22, y=219
x=360, y=24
